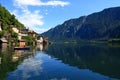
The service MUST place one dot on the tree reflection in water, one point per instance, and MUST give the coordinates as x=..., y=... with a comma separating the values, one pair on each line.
x=101, y=58
x=61, y=61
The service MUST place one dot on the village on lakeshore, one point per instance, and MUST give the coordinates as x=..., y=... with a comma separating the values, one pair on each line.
x=21, y=37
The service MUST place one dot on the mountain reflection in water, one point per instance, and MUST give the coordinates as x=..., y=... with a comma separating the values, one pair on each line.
x=101, y=58
x=61, y=62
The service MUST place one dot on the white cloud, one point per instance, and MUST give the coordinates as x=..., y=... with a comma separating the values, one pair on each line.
x=28, y=66
x=54, y=3
x=40, y=3
x=40, y=29
x=30, y=19
x=33, y=19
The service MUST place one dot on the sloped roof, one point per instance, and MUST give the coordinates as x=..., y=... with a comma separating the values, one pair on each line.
x=24, y=31
x=3, y=40
x=22, y=40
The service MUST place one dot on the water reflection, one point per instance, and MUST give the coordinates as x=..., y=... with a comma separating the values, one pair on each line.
x=10, y=59
x=22, y=54
x=28, y=68
x=61, y=62
x=6, y=63
x=42, y=47
x=99, y=58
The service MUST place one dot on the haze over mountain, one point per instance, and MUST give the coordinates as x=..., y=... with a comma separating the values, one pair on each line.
x=99, y=25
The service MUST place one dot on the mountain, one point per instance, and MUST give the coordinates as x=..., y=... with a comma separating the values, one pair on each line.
x=99, y=25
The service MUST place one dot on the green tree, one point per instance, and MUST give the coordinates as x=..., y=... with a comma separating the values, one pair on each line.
x=29, y=40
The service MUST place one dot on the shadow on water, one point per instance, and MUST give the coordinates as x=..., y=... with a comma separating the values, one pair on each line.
x=100, y=58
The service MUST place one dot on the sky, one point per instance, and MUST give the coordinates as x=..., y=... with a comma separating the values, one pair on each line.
x=41, y=15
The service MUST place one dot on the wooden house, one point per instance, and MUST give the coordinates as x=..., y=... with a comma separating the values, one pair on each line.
x=22, y=43
x=22, y=46
x=3, y=42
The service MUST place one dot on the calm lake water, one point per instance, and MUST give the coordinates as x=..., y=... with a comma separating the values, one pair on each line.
x=62, y=62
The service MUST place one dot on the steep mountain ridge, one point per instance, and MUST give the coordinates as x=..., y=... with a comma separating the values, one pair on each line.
x=104, y=24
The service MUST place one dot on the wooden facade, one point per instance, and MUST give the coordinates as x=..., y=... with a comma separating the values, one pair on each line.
x=22, y=43
x=3, y=42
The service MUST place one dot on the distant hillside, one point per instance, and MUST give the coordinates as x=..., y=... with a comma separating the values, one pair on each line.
x=100, y=25
x=8, y=19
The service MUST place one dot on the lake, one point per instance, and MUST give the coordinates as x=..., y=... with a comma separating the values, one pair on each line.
x=62, y=61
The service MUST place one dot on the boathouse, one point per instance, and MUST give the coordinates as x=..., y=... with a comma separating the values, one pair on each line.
x=22, y=43
x=3, y=42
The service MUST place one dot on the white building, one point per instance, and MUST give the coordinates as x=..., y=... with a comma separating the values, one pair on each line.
x=40, y=40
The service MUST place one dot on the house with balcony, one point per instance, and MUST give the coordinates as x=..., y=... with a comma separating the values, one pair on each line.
x=32, y=33
x=22, y=32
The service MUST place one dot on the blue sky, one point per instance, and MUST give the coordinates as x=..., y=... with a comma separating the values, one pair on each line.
x=41, y=15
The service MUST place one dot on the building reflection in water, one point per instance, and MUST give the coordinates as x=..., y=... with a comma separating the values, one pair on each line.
x=42, y=47
x=22, y=54
x=10, y=58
